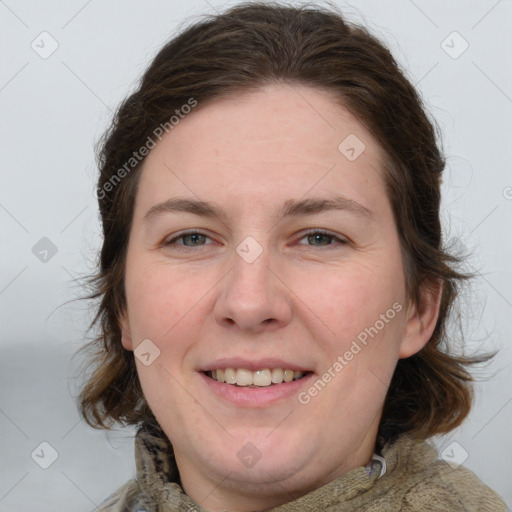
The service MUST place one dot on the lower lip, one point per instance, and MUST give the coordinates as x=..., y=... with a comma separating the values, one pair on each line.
x=257, y=396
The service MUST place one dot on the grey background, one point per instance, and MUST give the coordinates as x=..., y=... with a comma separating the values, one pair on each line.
x=53, y=110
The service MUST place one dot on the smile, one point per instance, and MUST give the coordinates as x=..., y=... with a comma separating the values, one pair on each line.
x=260, y=378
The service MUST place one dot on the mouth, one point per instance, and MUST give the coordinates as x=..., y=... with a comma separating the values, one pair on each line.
x=256, y=382
x=263, y=378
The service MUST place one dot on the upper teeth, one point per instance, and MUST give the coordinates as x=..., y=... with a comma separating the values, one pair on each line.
x=265, y=377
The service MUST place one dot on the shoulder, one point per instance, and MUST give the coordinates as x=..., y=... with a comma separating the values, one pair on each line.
x=457, y=487
x=128, y=498
x=427, y=481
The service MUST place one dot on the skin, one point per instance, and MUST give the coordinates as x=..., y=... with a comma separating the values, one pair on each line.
x=304, y=299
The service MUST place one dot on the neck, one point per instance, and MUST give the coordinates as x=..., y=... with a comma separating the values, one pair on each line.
x=230, y=491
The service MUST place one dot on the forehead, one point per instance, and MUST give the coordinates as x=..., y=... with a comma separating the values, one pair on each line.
x=274, y=141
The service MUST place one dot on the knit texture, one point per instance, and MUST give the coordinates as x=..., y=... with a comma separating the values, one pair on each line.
x=415, y=481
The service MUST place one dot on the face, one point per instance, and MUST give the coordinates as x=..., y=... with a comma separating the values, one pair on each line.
x=262, y=250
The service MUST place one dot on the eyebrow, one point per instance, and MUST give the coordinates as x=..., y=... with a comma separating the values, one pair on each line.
x=291, y=208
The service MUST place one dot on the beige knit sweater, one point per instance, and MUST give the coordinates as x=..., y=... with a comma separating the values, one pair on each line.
x=414, y=481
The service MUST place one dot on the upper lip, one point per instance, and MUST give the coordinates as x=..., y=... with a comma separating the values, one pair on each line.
x=253, y=364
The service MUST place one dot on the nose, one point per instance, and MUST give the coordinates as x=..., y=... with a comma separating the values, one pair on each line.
x=253, y=296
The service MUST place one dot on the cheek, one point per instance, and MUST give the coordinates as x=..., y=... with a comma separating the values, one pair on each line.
x=353, y=299
x=361, y=311
x=160, y=298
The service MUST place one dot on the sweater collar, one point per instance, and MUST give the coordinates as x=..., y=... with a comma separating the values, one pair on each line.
x=158, y=478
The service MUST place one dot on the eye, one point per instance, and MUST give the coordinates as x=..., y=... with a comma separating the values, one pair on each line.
x=314, y=238
x=320, y=238
x=188, y=239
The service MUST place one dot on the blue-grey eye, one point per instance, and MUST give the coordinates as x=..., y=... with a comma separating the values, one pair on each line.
x=321, y=238
x=195, y=238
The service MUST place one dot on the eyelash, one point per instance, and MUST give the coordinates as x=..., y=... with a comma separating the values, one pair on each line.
x=341, y=241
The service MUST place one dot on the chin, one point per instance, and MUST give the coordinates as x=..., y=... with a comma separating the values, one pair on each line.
x=264, y=456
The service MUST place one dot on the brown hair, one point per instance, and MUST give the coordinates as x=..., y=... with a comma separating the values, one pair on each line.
x=250, y=45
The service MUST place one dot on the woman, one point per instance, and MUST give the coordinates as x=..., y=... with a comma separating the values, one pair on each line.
x=273, y=288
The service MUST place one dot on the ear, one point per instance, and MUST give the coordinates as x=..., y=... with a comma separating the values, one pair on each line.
x=126, y=337
x=421, y=319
